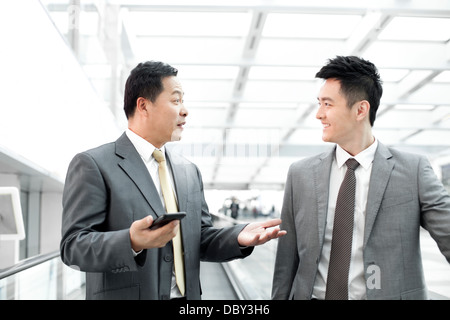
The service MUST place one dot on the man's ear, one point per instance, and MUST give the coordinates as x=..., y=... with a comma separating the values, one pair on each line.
x=141, y=105
x=363, y=110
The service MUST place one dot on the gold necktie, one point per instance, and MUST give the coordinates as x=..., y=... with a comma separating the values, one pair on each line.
x=171, y=206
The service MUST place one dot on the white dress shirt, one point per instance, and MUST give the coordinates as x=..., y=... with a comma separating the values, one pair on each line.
x=357, y=284
x=145, y=150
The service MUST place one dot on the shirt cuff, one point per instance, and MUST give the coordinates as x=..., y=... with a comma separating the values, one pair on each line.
x=136, y=253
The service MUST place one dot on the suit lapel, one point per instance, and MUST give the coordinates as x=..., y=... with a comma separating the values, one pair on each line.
x=381, y=171
x=179, y=179
x=135, y=168
x=322, y=172
x=181, y=182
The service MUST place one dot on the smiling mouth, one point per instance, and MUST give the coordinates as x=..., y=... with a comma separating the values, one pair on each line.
x=181, y=125
x=325, y=125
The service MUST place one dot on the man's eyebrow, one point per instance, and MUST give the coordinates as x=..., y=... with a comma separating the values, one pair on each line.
x=324, y=99
x=176, y=91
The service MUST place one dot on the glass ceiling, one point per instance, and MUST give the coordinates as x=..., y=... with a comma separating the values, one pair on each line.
x=247, y=69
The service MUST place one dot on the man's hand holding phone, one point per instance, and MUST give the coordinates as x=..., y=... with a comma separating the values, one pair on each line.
x=148, y=233
x=166, y=218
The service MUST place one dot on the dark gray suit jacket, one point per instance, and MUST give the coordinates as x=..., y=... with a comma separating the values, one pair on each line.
x=404, y=194
x=109, y=187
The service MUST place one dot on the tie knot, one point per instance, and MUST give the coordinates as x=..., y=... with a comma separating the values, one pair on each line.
x=352, y=163
x=158, y=155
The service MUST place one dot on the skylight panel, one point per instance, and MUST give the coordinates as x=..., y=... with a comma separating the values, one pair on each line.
x=310, y=25
x=163, y=23
x=282, y=73
x=442, y=77
x=419, y=29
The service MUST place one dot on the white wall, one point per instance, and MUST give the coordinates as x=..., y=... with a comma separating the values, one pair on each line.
x=48, y=108
x=49, y=111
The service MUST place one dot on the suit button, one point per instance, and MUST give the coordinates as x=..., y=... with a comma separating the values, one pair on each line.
x=168, y=258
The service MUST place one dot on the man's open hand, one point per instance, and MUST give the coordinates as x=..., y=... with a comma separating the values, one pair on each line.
x=257, y=233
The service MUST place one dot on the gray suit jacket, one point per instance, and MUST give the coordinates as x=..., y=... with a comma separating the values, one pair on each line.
x=109, y=187
x=404, y=194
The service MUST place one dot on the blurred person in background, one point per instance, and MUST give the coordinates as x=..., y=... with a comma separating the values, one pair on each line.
x=234, y=208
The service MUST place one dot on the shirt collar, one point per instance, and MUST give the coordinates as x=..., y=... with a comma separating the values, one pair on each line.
x=365, y=157
x=143, y=147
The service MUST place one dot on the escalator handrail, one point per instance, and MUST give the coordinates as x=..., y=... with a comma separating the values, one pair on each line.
x=28, y=263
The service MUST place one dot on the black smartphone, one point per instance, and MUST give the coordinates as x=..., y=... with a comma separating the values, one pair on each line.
x=166, y=218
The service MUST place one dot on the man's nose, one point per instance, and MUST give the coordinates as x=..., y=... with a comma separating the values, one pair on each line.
x=319, y=113
x=184, y=111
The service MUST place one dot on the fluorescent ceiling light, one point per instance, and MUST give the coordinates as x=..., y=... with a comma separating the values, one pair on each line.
x=310, y=25
x=264, y=117
x=209, y=104
x=282, y=73
x=98, y=71
x=235, y=24
x=268, y=105
x=413, y=79
x=206, y=72
x=442, y=77
x=414, y=107
x=393, y=75
x=422, y=29
x=88, y=23
x=189, y=50
x=314, y=52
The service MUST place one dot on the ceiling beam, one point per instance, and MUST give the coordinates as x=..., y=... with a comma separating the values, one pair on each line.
x=292, y=150
x=250, y=48
x=109, y=37
x=424, y=64
x=367, y=32
x=409, y=85
x=73, y=28
x=447, y=51
x=429, y=8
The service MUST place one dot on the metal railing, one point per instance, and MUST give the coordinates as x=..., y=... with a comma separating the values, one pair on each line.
x=27, y=264
x=42, y=277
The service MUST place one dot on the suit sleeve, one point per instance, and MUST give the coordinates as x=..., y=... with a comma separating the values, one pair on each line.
x=86, y=244
x=286, y=260
x=435, y=206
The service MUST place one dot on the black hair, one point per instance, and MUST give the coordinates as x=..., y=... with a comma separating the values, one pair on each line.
x=359, y=80
x=145, y=80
